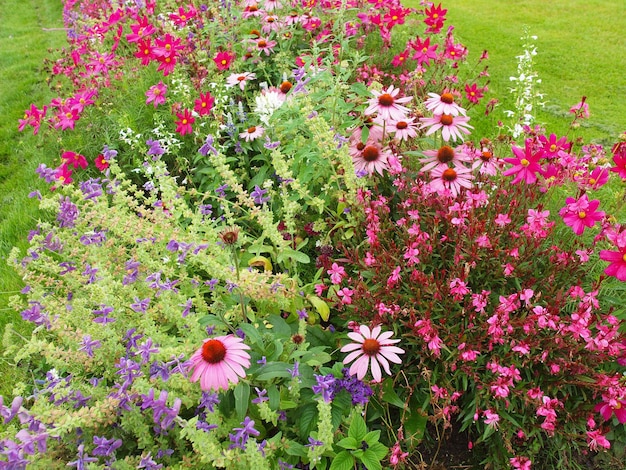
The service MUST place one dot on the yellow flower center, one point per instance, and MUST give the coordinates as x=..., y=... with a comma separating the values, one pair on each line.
x=582, y=214
x=524, y=162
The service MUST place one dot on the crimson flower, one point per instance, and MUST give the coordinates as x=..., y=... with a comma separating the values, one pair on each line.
x=185, y=120
x=204, y=104
x=617, y=259
x=223, y=60
x=74, y=159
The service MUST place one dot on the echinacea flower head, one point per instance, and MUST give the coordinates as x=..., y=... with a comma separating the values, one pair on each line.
x=452, y=127
x=443, y=157
x=239, y=79
x=387, y=105
x=252, y=133
x=219, y=362
x=451, y=179
x=371, y=158
x=443, y=104
x=525, y=164
x=371, y=348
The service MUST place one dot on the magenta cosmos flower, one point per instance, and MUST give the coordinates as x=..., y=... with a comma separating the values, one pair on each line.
x=387, y=106
x=371, y=345
x=617, y=259
x=581, y=213
x=525, y=164
x=220, y=361
x=452, y=127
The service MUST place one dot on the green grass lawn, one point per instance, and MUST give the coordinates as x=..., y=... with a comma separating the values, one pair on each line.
x=27, y=33
x=581, y=50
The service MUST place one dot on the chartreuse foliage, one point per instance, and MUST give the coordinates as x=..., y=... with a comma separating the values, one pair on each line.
x=271, y=239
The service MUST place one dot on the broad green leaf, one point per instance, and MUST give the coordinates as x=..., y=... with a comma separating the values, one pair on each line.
x=379, y=450
x=280, y=326
x=322, y=307
x=416, y=425
x=307, y=420
x=343, y=461
x=348, y=443
x=242, y=397
x=357, y=429
x=372, y=437
x=295, y=448
x=371, y=461
x=252, y=334
x=274, y=397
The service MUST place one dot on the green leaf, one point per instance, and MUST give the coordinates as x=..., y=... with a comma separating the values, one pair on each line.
x=307, y=420
x=242, y=397
x=379, y=450
x=343, y=461
x=348, y=443
x=372, y=437
x=295, y=255
x=273, y=370
x=370, y=460
x=274, y=397
x=295, y=448
x=252, y=334
x=280, y=328
x=322, y=307
x=416, y=425
x=357, y=429
x=390, y=396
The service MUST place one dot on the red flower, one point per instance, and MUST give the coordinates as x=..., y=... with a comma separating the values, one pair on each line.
x=223, y=60
x=473, y=93
x=204, y=105
x=435, y=17
x=74, y=159
x=101, y=163
x=185, y=120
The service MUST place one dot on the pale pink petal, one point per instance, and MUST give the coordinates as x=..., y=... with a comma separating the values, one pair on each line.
x=352, y=356
x=376, y=373
x=360, y=367
x=356, y=337
x=351, y=347
x=365, y=331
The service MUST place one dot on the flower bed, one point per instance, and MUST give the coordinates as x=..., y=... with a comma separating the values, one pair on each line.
x=269, y=244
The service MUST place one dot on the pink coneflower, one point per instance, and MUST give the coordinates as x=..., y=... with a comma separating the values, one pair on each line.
x=252, y=133
x=581, y=213
x=371, y=158
x=386, y=105
x=156, y=94
x=220, y=361
x=443, y=157
x=485, y=162
x=371, y=345
x=451, y=179
x=264, y=45
x=452, y=127
x=239, y=79
x=403, y=129
x=184, y=122
x=525, y=164
x=443, y=104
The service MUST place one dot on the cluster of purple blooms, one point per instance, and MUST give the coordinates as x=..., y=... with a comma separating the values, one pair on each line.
x=329, y=386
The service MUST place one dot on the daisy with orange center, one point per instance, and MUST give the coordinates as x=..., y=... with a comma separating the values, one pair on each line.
x=451, y=179
x=239, y=79
x=220, y=361
x=452, y=127
x=443, y=104
x=371, y=348
x=387, y=105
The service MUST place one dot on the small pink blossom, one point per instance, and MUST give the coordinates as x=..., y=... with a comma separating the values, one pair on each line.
x=345, y=295
x=156, y=94
x=596, y=439
x=337, y=273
